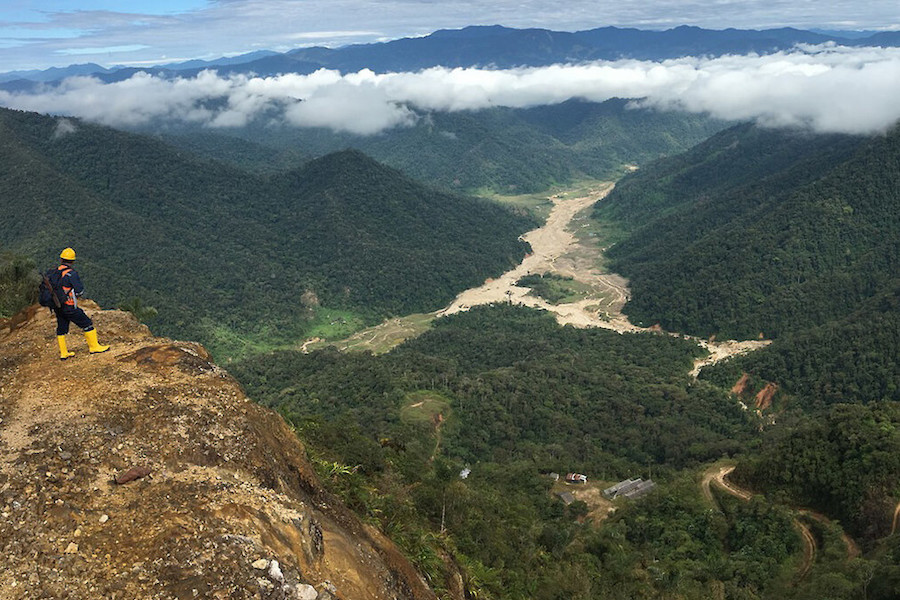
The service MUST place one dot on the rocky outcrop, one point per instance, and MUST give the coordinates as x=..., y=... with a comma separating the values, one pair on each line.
x=216, y=499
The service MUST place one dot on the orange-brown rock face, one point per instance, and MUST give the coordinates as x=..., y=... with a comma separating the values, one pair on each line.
x=230, y=508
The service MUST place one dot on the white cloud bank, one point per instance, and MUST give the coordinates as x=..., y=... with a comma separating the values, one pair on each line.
x=825, y=88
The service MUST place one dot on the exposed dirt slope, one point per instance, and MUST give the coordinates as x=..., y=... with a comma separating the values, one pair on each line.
x=230, y=490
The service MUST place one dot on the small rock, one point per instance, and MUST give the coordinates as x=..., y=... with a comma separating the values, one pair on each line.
x=72, y=548
x=262, y=564
x=265, y=583
x=304, y=591
x=77, y=533
x=103, y=519
x=327, y=586
x=275, y=573
x=132, y=474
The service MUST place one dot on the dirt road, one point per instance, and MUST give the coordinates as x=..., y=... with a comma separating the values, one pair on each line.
x=809, y=549
x=853, y=549
x=719, y=477
x=718, y=474
x=896, y=517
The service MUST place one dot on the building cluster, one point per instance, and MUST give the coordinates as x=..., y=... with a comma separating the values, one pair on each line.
x=629, y=488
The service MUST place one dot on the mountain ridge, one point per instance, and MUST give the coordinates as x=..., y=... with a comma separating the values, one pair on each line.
x=489, y=46
x=157, y=222
x=480, y=150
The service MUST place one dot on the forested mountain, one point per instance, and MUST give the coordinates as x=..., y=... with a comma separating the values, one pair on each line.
x=760, y=232
x=845, y=463
x=511, y=395
x=783, y=234
x=485, y=46
x=847, y=359
x=794, y=236
x=226, y=255
x=502, y=149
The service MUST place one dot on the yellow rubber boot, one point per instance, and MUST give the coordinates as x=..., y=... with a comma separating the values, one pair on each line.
x=93, y=345
x=63, y=351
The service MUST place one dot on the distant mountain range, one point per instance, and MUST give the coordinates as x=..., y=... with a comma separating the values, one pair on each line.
x=483, y=46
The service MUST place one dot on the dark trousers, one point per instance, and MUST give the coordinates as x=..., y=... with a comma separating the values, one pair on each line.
x=74, y=315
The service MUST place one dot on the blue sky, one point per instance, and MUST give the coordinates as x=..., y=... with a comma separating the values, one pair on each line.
x=45, y=33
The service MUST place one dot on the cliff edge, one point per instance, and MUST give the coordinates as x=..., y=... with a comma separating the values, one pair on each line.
x=230, y=508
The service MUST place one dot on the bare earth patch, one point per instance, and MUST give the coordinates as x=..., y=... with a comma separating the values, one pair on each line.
x=599, y=508
x=225, y=483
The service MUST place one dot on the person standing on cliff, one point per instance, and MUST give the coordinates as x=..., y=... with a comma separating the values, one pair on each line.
x=72, y=288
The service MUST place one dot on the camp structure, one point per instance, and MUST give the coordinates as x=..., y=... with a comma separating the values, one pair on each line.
x=566, y=497
x=629, y=488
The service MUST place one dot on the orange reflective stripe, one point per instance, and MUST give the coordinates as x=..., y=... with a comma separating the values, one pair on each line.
x=70, y=298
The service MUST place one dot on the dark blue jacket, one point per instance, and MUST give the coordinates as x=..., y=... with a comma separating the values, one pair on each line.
x=71, y=285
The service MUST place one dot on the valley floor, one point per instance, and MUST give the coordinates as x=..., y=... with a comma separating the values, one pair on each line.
x=556, y=250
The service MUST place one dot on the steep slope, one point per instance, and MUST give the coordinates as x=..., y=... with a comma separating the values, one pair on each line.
x=376, y=236
x=760, y=231
x=200, y=240
x=851, y=359
x=229, y=490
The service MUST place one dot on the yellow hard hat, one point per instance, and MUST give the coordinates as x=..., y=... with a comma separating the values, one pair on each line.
x=67, y=254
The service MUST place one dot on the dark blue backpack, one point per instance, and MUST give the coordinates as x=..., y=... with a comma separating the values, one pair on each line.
x=50, y=292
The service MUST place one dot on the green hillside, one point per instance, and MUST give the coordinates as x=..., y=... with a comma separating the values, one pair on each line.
x=849, y=359
x=225, y=255
x=786, y=234
x=507, y=393
x=501, y=149
x=797, y=237
x=844, y=463
x=759, y=232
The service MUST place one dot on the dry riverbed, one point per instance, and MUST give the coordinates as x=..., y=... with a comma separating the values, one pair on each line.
x=556, y=249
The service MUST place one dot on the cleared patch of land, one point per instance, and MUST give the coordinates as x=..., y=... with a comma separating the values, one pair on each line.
x=424, y=406
x=599, y=508
x=379, y=339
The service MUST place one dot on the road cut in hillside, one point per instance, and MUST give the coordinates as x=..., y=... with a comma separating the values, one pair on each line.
x=810, y=547
x=896, y=518
x=718, y=475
